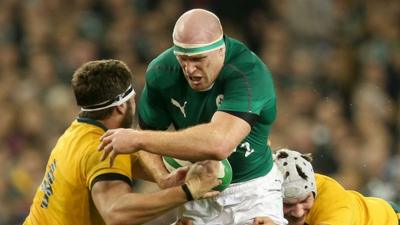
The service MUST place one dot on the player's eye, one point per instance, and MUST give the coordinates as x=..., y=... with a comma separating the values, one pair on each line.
x=288, y=205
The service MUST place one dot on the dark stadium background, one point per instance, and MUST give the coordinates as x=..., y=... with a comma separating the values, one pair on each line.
x=336, y=66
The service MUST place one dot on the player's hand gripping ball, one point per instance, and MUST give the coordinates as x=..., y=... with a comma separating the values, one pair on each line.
x=224, y=173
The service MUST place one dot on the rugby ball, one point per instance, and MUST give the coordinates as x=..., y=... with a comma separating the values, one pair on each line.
x=224, y=173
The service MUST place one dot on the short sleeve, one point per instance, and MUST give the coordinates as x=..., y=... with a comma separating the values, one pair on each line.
x=251, y=91
x=93, y=167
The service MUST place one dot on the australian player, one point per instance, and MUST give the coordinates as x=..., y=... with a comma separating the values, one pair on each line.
x=315, y=199
x=79, y=189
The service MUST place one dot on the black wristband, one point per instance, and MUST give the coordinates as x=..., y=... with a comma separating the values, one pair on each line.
x=186, y=189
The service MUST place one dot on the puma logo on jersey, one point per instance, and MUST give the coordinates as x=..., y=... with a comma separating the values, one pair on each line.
x=182, y=108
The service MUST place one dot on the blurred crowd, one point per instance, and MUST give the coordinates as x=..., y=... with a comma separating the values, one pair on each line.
x=336, y=66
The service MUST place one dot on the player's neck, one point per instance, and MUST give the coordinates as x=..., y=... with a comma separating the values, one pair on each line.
x=111, y=123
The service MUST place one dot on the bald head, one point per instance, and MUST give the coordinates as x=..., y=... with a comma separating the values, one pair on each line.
x=197, y=26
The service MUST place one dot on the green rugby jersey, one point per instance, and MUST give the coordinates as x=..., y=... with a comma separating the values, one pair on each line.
x=243, y=88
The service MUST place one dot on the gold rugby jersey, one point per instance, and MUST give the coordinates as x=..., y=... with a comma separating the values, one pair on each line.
x=336, y=206
x=73, y=167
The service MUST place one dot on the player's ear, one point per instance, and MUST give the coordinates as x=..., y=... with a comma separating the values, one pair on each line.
x=221, y=51
x=307, y=157
x=120, y=109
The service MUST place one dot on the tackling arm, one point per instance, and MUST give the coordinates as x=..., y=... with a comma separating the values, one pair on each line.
x=140, y=171
x=117, y=205
x=152, y=165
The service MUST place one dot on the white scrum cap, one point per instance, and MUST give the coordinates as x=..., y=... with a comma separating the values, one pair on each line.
x=298, y=173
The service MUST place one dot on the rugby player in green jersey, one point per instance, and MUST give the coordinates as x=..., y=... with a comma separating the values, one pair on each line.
x=220, y=98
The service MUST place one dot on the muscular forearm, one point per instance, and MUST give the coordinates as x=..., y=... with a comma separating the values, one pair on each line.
x=140, y=172
x=117, y=204
x=152, y=165
x=133, y=208
x=214, y=140
x=196, y=143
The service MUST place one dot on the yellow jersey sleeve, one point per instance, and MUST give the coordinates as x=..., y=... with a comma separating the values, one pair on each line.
x=73, y=167
x=94, y=168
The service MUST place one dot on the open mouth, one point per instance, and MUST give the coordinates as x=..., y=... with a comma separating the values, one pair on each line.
x=195, y=79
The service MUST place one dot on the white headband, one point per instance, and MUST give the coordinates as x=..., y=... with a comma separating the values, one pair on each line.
x=118, y=100
x=194, y=49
